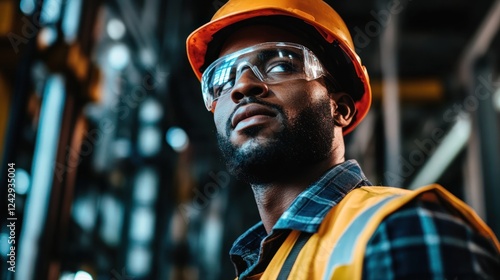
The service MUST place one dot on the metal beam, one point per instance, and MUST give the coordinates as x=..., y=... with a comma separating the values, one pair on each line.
x=477, y=181
x=445, y=153
x=479, y=44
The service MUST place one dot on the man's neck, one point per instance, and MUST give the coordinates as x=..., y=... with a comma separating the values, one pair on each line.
x=275, y=198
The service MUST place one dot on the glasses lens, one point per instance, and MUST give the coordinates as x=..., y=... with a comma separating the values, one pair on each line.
x=270, y=63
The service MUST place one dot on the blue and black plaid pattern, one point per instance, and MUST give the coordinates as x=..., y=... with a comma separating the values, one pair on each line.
x=426, y=241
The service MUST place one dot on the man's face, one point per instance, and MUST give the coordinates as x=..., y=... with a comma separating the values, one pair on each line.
x=266, y=131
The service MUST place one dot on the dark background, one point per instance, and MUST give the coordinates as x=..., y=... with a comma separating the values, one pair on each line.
x=97, y=101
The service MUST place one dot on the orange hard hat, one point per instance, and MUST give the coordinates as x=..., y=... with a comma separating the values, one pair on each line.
x=313, y=12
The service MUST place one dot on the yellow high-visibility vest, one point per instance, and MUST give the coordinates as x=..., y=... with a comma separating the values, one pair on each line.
x=337, y=250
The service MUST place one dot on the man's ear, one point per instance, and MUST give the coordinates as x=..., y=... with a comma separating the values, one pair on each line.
x=343, y=108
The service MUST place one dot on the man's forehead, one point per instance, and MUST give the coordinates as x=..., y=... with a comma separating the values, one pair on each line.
x=248, y=36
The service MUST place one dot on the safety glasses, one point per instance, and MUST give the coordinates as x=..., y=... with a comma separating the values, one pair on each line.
x=271, y=63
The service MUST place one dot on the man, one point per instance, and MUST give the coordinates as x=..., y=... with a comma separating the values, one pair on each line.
x=284, y=84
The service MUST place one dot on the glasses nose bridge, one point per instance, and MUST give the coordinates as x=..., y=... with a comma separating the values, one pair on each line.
x=247, y=83
x=246, y=64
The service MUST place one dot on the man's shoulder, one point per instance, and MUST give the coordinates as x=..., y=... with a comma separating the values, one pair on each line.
x=432, y=197
x=383, y=190
x=425, y=238
x=425, y=213
x=432, y=202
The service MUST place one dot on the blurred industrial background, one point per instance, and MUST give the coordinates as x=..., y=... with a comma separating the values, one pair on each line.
x=117, y=174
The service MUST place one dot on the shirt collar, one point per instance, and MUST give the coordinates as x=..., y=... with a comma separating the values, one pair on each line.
x=308, y=210
x=310, y=207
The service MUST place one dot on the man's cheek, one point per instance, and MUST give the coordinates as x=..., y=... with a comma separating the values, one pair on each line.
x=221, y=129
x=220, y=122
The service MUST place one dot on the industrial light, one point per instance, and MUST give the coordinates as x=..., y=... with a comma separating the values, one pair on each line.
x=177, y=139
x=71, y=20
x=27, y=6
x=151, y=111
x=47, y=36
x=83, y=275
x=496, y=100
x=22, y=181
x=115, y=29
x=118, y=56
x=146, y=186
x=149, y=142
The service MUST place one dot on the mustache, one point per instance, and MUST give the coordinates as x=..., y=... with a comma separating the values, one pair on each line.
x=250, y=100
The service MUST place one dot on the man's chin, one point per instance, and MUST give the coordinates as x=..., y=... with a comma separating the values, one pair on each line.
x=250, y=160
x=247, y=144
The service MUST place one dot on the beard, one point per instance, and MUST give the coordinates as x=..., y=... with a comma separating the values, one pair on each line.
x=303, y=141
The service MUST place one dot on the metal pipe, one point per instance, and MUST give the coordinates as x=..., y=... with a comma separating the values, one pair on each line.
x=390, y=98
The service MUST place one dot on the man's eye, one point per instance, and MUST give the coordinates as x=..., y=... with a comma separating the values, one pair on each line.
x=223, y=88
x=281, y=67
x=226, y=86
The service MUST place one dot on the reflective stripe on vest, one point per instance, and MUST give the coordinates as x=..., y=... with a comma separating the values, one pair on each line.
x=343, y=253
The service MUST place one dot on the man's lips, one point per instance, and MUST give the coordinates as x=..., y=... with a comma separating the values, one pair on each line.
x=250, y=110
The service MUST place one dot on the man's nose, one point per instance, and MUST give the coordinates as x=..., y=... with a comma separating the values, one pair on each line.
x=247, y=84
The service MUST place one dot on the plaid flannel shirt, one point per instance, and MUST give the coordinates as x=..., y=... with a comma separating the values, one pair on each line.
x=421, y=241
